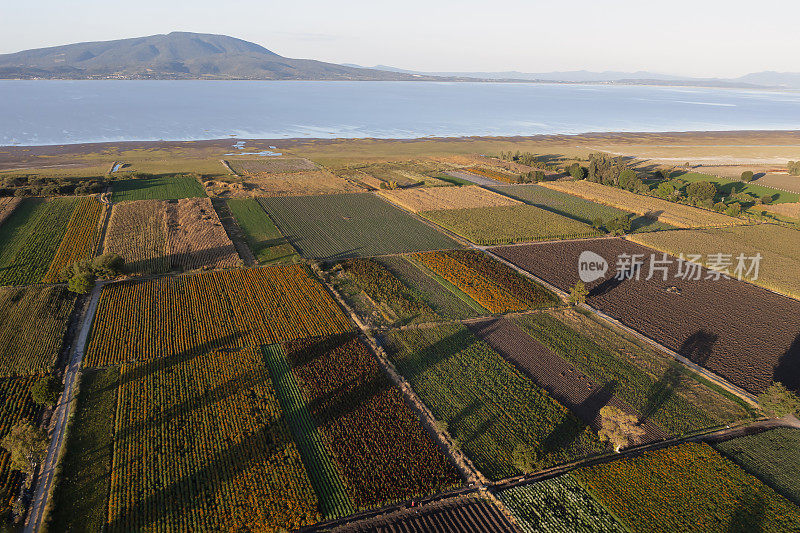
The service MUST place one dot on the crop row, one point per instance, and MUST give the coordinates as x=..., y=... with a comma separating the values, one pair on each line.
x=492, y=284
x=30, y=237
x=558, y=505
x=211, y=310
x=492, y=174
x=81, y=238
x=384, y=289
x=201, y=444
x=15, y=405
x=654, y=488
x=157, y=188
x=505, y=423
x=382, y=451
x=33, y=321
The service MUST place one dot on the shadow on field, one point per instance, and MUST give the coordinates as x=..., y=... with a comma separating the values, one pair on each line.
x=184, y=260
x=661, y=391
x=749, y=518
x=571, y=427
x=788, y=369
x=698, y=346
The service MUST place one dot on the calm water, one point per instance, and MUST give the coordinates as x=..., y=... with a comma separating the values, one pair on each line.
x=56, y=112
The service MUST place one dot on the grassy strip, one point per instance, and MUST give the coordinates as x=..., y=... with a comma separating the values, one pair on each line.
x=458, y=293
x=81, y=496
x=333, y=498
x=265, y=241
x=157, y=188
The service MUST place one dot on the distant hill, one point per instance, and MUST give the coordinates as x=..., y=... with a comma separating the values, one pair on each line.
x=773, y=79
x=178, y=55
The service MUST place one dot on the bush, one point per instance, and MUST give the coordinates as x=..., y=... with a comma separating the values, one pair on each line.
x=46, y=391
x=733, y=210
x=619, y=225
x=577, y=171
x=81, y=275
x=794, y=168
x=701, y=190
x=777, y=401
x=720, y=207
x=747, y=175
x=766, y=199
x=81, y=283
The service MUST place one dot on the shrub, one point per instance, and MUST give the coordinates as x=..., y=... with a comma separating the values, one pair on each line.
x=577, y=171
x=777, y=401
x=720, y=207
x=766, y=199
x=46, y=391
x=733, y=209
x=701, y=190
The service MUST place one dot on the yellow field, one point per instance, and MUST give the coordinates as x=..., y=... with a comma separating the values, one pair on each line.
x=81, y=239
x=791, y=210
x=435, y=198
x=778, y=245
x=679, y=215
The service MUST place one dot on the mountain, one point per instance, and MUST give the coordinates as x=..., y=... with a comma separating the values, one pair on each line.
x=570, y=76
x=178, y=55
x=773, y=79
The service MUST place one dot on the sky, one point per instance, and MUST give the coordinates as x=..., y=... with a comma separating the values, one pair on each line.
x=704, y=38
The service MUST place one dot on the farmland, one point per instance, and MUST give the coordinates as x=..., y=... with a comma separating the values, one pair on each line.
x=340, y=226
x=81, y=238
x=557, y=376
x=770, y=456
x=558, y=505
x=726, y=187
x=15, y=405
x=434, y=198
x=492, y=284
x=711, y=322
x=169, y=187
x=158, y=236
x=445, y=303
x=660, y=391
x=378, y=444
x=779, y=247
x=30, y=237
x=33, y=323
x=270, y=165
x=492, y=174
x=678, y=215
x=500, y=225
x=490, y=408
x=281, y=184
x=7, y=206
x=375, y=291
x=200, y=443
x=575, y=207
x=189, y=314
x=651, y=489
x=263, y=238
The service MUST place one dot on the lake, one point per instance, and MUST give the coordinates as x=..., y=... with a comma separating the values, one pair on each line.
x=59, y=112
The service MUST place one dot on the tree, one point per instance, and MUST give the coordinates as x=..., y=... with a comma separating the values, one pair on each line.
x=733, y=209
x=525, y=458
x=46, y=390
x=701, y=190
x=27, y=446
x=747, y=175
x=578, y=294
x=777, y=401
x=81, y=283
x=666, y=190
x=628, y=179
x=720, y=207
x=81, y=275
x=766, y=199
x=619, y=428
x=664, y=173
x=794, y=168
x=577, y=171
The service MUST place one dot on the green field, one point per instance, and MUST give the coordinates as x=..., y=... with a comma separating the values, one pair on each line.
x=448, y=304
x=727, y=186
x=339, y=226
x=157, y=188
x=81, y=493
x=492, y=410
x=508, y=224
x=558, y=505
x=30, y=237
x=771, y=456
x=574, y=207
x=665, y=399
x=263, y=238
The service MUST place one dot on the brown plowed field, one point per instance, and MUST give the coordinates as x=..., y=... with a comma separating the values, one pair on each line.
x=455, y=516
x=744, y=333
x=568, y=385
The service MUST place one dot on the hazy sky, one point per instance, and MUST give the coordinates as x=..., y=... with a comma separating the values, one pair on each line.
x=687, y=37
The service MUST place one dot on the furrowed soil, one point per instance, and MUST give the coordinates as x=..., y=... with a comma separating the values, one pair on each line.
x=746, y=334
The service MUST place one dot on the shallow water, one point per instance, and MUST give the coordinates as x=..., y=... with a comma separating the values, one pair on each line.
x=58, y=112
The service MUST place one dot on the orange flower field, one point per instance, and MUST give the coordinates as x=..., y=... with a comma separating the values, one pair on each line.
x=81, y=239
x=182, y=315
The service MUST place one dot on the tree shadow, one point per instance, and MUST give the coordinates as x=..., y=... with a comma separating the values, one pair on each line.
x=661, y=391
x=787, y=371
x=570, y=427
x=615, y=281
x=698, y=346
x=749, y=517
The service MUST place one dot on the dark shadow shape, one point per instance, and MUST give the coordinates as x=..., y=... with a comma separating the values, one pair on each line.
x=787, y=370
x=698, y=346
x=749, y=517
x=612, y=283
x=661, y=391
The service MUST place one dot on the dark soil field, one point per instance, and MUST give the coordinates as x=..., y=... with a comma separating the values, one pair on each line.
x=744, y=333
x=568, y=385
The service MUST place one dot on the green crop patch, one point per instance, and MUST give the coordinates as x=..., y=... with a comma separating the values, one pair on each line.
x=157, y=188
x=263, y=238
x=340, y=226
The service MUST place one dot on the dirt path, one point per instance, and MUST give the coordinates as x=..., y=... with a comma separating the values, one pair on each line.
x=58, y=422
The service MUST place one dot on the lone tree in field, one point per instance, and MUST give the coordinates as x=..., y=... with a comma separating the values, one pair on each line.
x=619, y=428
x=778, y=401
x=578, y=294
x=747, y=175
x=27, y=446
x=46, y=391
